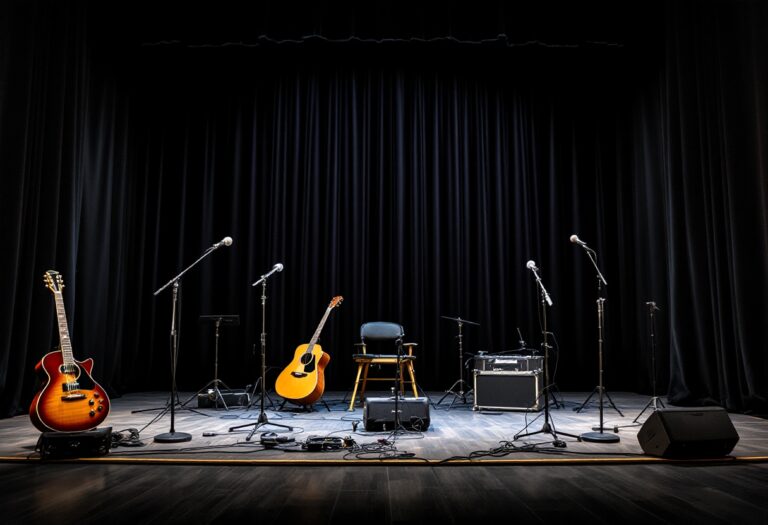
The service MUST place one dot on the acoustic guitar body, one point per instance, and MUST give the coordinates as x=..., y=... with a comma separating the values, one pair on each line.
x=303, y=380
x=70, y=400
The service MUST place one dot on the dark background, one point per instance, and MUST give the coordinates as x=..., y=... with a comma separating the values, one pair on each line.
x=409, y=157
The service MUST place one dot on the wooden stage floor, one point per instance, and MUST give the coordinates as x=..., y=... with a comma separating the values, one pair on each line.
x=456, y=433
x=466, y=468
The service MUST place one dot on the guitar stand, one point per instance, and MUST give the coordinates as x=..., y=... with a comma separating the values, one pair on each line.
x=459, y=384
x=213, y=385
x=306, y=408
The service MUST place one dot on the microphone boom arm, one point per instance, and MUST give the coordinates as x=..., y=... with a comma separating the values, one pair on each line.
x=593, y=257
x=544, y=292
x=276, y=268
x=175, y=279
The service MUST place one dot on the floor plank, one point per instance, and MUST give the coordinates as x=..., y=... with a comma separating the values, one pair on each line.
x=299, y=490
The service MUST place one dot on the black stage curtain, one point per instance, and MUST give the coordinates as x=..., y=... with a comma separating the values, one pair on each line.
x=410, y=159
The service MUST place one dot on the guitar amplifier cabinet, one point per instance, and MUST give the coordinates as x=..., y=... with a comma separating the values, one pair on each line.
x=503, y=390
x=379, y=413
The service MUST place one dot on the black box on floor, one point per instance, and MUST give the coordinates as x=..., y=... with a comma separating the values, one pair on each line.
x=703, y=432
x=502, y=390
x=90, y=443
x=232, y=397
x=379, y=413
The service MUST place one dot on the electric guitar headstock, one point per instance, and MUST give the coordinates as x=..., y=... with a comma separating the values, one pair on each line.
x=53, y=281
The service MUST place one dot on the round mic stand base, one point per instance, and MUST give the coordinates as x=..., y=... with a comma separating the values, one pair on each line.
x=173, y=437
x=599, y=437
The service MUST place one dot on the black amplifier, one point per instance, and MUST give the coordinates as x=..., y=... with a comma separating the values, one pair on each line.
x=509, y=363
x=232, y=397
x=503, y=390
x=379, y=413
x=89, y=443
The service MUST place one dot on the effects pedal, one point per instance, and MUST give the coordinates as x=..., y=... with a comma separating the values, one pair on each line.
x=271, y=439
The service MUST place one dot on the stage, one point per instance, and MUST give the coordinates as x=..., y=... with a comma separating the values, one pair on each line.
x=456, y=433
x=220, y=476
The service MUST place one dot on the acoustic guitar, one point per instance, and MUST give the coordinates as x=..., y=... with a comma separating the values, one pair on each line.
x=69, y=400
x=302, y=381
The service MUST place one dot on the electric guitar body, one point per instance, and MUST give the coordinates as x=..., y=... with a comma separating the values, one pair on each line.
x=303, y=380
x=58, y=406
x=69, y=400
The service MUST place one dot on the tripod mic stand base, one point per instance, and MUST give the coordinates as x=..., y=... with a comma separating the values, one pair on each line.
x=173, y=437
x=599, y=437
x=458, y=392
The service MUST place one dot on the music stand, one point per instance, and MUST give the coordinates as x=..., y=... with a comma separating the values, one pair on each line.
x=547, y=427
x=459, y=383
x=263, y=420
x=654, y=401
x=231, y=320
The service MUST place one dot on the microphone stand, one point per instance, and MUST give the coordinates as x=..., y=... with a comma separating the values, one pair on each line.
x=397, y=424
x=262, y=420
x=548, y=427
x=655, y=401
x=172, y=436
x=599, y=436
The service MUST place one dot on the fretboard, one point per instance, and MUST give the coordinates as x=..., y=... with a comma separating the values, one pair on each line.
x=316, y=336
x=61, y=316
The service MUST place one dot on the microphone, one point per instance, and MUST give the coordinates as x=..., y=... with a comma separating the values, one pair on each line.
x=592, y=256
x=226, y=241
x=575, y=240
x=276, y=268
x=531, y=265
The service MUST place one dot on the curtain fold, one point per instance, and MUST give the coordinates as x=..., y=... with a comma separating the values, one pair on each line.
x=414, y=180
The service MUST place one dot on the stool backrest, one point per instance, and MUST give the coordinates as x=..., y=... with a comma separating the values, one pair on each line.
x=381, y=331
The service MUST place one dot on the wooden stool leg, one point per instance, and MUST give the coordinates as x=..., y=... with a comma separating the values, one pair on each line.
x=413, y=379
x=365, y=380
x=354, y=391
x=402, y=378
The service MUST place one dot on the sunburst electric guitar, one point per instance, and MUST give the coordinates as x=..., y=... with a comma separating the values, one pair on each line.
x=302, y=381
x=70, y=400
